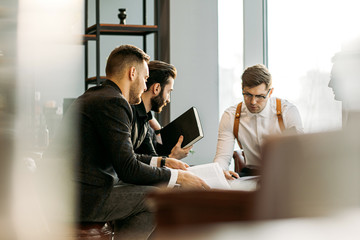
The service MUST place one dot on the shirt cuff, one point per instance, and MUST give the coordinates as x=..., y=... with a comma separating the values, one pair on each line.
x=173, y=178
x=153, y=161
x=158, y=138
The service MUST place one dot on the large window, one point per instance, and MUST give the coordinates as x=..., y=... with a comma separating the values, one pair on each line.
x=303, y=36
x=230, y=52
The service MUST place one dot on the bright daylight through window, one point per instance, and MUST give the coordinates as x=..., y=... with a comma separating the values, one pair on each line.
x=303, y=36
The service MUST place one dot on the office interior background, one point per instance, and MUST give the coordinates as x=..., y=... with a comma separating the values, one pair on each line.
x=211, y=43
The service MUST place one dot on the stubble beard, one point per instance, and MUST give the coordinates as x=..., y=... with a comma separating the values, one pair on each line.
x=135, y=94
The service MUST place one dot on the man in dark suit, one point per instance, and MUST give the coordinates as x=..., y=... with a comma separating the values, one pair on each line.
x=111, y=179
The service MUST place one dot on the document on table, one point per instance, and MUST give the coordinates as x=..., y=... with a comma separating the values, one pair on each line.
x=244, y=183
x=212, y=174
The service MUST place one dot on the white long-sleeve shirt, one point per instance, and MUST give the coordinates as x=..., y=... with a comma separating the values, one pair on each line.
x=253, y=128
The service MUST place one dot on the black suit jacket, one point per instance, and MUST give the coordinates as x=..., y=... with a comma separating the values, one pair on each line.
x=106, y=153
x=142, y=137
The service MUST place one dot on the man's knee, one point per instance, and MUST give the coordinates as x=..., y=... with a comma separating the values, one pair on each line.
x=131, y=198
x=138, y=226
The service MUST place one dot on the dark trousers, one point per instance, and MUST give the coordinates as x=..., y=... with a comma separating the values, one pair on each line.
x=126, y=207
x=249, y=170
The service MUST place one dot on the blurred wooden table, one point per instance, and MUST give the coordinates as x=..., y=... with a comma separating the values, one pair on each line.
x=178, y=208
x=340, y=226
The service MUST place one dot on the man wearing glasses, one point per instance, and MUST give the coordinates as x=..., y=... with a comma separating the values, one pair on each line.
x=250, y=123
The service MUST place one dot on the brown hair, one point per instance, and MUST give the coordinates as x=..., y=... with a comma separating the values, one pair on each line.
x=159, y=72
x=123, y=56
x=255, y=75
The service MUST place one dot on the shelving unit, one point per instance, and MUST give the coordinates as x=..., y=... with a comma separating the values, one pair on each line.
x=93, y=33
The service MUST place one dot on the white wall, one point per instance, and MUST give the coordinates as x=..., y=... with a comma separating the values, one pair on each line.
x=194, y=52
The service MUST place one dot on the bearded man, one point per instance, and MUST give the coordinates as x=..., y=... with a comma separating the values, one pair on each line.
x=159, y=85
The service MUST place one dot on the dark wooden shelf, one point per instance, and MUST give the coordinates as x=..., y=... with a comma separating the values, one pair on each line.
x=94, y=32
x=87, y=37
x=121, y=29
x=92, y=80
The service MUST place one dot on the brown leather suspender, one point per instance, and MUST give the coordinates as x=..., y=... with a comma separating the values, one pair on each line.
x=236, y=123
x=237, y=119
x=279, y=114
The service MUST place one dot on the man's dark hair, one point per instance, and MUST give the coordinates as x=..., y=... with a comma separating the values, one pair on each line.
x=256, y=75
x=125, y=55
x=159, y=72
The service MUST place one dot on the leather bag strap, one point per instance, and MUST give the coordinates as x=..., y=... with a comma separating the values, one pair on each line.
x=279, y=114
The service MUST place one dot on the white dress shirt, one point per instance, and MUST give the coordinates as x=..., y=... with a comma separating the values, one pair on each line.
x=253, y=129
x=173, y=176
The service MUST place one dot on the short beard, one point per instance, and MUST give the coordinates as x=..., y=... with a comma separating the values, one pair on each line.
x=158, y=102
x=134, y=97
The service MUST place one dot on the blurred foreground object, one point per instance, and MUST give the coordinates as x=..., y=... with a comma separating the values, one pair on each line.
x=8, y=34
x=183, y=208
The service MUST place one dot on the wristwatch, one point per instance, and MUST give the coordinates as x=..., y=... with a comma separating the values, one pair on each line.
x=162, y=162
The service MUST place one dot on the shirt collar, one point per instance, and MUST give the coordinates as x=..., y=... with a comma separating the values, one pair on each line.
x=264, y=113
x=142, y=111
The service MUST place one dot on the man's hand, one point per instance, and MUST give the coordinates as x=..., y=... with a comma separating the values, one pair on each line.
x=189, y=180
x=230, y=175
x=175, y=164
x=178, y=152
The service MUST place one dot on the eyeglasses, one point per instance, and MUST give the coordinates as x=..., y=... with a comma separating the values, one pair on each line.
x=258, y=98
